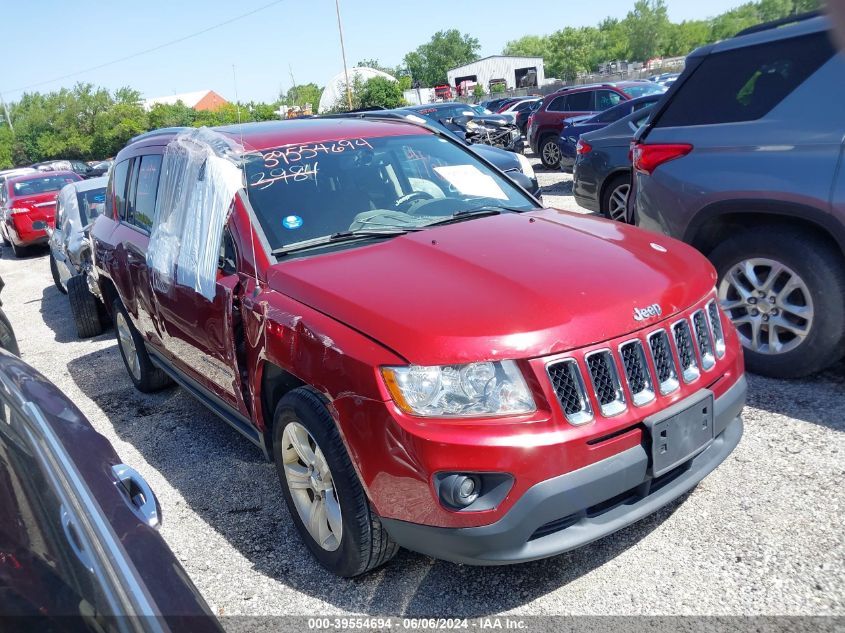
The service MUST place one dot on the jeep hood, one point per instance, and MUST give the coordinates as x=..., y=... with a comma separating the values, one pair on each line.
x=506, y=286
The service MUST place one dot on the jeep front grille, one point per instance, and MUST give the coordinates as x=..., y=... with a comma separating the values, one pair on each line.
x=664, y=364
x=695, y=341
x=636, y=372
x=606, y=383
x=570, y=390
x=686, y=353
x=705, y=342
x=716, y=328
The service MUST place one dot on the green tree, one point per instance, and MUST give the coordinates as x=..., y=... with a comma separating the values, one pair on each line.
x=478, y=91
x=302, y=94
x=378, y=92
x=446, y=50
x=374, y=63
x=171, y=115
x=528, y=46
x=686, y=36
x=570, y=51
x=648, y=29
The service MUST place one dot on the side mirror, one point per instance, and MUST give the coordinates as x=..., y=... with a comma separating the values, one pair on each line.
x=521, y=180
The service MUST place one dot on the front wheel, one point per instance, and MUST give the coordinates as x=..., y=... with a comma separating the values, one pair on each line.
x=321, y=488
x=784, y=290
x=550, y=152
x=83, y=306
x=54, y=271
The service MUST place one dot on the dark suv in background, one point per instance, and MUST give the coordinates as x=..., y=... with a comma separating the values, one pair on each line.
x=744, y=160
x=546, y=122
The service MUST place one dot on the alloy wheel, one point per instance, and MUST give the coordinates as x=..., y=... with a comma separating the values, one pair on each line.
x=618, y=202
x=551, y=153
x=311, y=486
x=127, y=346
x=769, y=304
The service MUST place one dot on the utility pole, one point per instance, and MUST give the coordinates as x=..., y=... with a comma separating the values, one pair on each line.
x=343, y=54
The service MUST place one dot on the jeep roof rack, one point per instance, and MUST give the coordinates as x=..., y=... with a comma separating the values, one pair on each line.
x=790, y=19
x=159, y=132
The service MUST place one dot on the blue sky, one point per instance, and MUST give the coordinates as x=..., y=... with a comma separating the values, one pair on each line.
x=46, y=39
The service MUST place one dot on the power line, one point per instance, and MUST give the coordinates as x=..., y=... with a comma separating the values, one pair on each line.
x=148, y=50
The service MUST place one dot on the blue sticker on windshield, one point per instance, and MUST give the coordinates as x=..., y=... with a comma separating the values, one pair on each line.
x=100, y=197
x=292, y=222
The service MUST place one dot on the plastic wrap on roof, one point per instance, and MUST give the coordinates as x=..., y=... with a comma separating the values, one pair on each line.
x=199, y=179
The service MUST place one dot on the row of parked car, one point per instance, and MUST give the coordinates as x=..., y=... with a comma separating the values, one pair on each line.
x=728, y=161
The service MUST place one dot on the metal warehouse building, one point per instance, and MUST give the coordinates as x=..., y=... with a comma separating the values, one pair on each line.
x=517, y=72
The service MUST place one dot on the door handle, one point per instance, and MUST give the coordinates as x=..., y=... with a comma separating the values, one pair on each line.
x=72, y=536
x=137, y=494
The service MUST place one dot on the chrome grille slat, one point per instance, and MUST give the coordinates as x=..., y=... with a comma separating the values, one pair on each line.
x=703, y=339
x=664, y=364
x=570, y=390
x=716, y=327
x=686, y=353
x=607, y=386
x=636, y=372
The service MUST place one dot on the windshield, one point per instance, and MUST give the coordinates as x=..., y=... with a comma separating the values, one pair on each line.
x=303, y=192
x=480, y=110
x=42, y=185
x=91, y=204
x=643, y=89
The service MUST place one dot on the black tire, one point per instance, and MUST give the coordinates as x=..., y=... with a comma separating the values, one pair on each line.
x=547, y=152
x=822, y=269
x=54, y=270
x=18, y=251
x=364, y=544
x=149, y=378
x=83, y=306
x=7, y=336
x=608, y=209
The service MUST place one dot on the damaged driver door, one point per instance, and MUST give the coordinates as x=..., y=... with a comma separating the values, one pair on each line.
x=202, y=336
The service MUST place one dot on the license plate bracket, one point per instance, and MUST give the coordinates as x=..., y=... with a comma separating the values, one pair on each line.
x=680, y=432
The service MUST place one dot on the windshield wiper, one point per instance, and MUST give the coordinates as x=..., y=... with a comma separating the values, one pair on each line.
x=476, y=212
x=342, y=236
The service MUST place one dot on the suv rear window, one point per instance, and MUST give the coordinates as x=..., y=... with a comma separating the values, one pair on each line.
x=747, y=83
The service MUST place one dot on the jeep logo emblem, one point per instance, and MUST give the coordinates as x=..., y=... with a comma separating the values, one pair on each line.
x=641, y=314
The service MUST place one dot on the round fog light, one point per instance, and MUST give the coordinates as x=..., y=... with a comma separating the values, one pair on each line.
x=459, y=490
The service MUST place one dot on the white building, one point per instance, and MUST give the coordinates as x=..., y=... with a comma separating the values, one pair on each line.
x=517, y=72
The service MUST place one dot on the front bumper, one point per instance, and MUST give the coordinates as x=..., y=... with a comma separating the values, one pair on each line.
x=574, y=509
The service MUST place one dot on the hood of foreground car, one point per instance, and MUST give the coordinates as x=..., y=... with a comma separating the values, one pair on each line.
x=506, y=286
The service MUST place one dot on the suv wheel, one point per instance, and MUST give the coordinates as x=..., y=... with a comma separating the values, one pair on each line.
x=321, y=488
x=550, y=152
x=145, y=376
x=83, y=306
x=54, y=270
x=7, y=336
x=615, y=198
x=784, y=290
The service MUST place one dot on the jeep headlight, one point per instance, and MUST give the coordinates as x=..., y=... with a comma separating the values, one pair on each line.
x=525, y=166
x=454, y=391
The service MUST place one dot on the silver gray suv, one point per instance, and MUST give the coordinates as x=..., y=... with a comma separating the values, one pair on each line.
x=744, y=160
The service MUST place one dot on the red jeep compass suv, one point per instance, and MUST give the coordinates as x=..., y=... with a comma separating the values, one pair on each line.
x=545, y=124
x=431, y=359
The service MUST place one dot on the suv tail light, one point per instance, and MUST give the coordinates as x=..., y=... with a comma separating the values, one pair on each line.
x=583, y=147
x=647, y=157
x=531, y=119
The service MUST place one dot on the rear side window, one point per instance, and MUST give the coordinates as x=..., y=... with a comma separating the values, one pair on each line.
x=747, y=83
x=144, y=202
x=580, y=102
x=557, y=105
x=116, y=201
x=607, y=99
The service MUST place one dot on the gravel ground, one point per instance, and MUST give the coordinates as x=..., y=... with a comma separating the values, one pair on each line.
x=763, y=534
